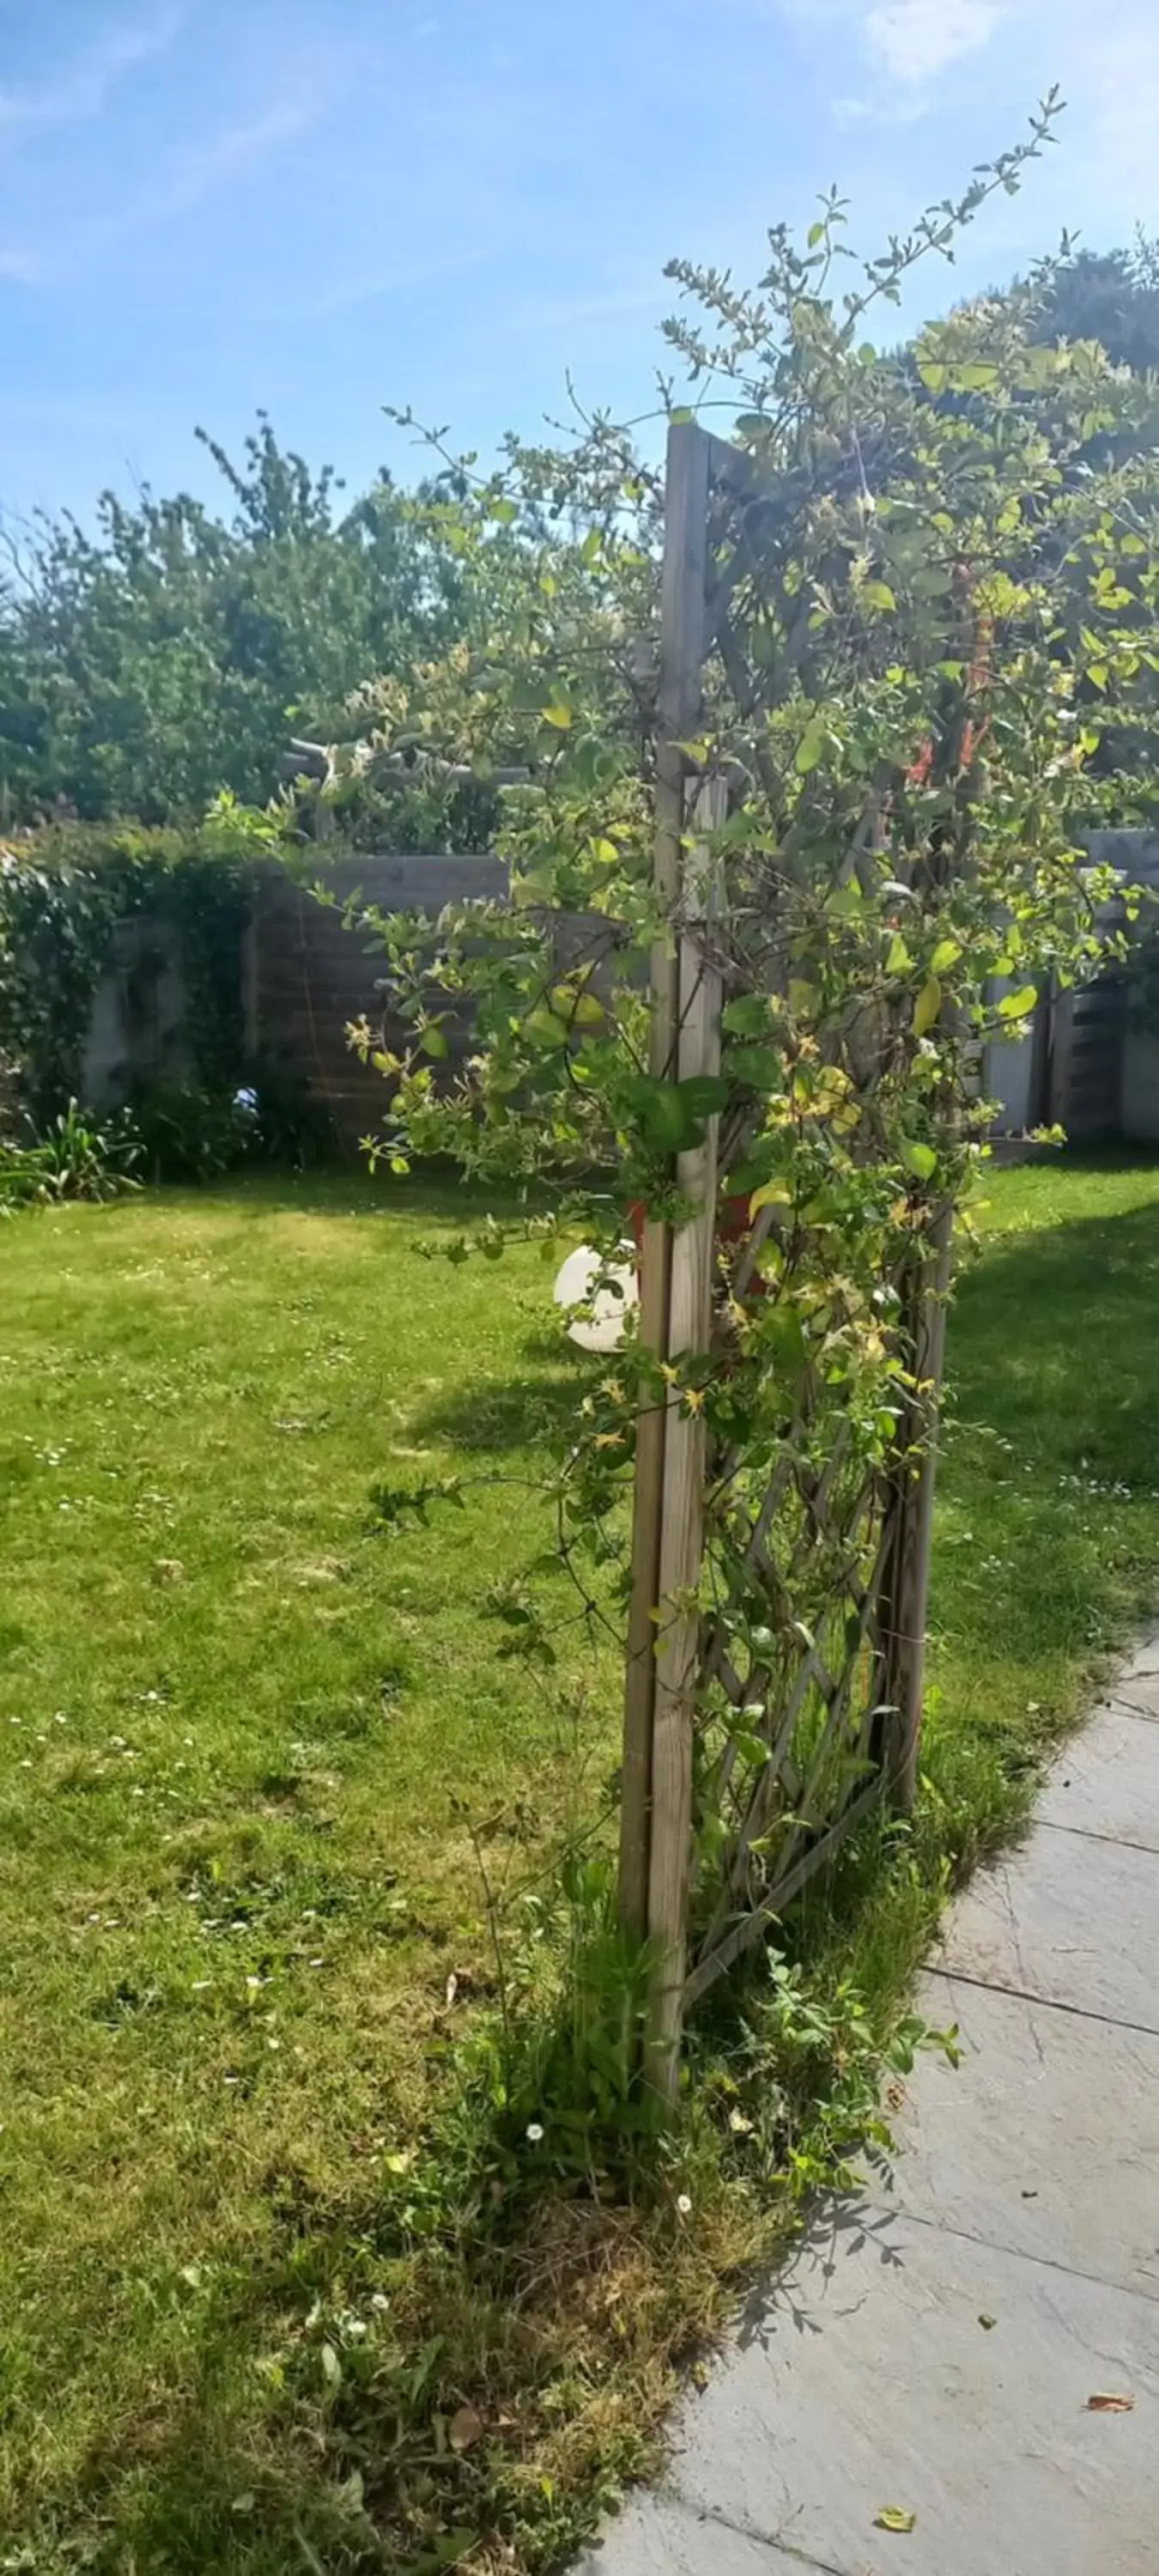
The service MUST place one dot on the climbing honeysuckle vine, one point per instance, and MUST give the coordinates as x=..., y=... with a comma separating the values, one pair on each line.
x=931, y=583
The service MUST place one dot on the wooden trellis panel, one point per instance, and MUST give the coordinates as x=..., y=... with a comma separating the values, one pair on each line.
x=810, y=1712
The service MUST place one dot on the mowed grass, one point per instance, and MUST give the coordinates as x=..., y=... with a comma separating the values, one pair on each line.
x=1047, y=1532
x=244, y=1743
x=250, y=1751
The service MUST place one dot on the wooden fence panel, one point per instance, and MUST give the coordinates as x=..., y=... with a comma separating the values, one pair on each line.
x=307, y=976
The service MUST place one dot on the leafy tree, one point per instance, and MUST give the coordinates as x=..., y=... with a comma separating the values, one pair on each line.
x=172, y=654
x=1108, y=296
x=933, y=577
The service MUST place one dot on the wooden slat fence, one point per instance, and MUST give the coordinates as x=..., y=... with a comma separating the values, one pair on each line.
x=307, y=976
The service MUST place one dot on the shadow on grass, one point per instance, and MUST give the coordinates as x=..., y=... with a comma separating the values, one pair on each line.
x=1047, y=1549
x=1046, y=1556
x=536, y=1409
x=329, y=1189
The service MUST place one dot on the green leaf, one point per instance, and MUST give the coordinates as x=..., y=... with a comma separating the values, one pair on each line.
x=945, y=955
x=1015, y=1006
x=811, y=745
x=760, y=1066
x=927, y=1007
x=899, y=959
x=816, y=234
x=877, y=594
x=544, y=1028
x=921, y=1160
x=433, y=1041
x=703, y=1095
x=783, y=1338
x=672, y=1114
x=746, y=1017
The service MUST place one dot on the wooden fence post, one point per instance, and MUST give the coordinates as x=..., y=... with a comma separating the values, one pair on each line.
x=904, y=1596
x=682, y=1519
x=681, y=654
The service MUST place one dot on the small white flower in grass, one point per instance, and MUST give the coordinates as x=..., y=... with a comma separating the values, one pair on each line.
x=535, y=2132
x=684, y=2204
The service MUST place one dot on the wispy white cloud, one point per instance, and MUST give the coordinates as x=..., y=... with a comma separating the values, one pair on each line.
x=227, y=154
x=183, y=178
x=84, y=87
x=917, y=39
x=374, y=288
x=24, y=267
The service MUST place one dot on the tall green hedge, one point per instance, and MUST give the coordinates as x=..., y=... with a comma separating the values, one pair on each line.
x=63, y=890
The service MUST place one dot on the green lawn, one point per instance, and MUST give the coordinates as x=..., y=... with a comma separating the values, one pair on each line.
x=241, y=1740
x=247, y=1747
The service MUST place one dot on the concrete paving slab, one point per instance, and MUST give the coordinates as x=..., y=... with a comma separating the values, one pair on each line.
x=1026, y=2192
x=1107, y=1780
x=1045, y=2139
x=870, y=2383
x=1137, y=1678
x=1070, y=1921
x=656, y=2536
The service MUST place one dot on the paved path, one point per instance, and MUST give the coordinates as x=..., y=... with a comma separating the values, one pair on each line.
x=1026, y=2193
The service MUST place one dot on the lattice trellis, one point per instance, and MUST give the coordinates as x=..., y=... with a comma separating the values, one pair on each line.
x=807, y=1712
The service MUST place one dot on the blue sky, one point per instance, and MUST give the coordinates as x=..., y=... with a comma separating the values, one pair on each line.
x=320, y=206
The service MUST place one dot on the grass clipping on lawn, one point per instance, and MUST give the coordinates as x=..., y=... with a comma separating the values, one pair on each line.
x=272, y=2293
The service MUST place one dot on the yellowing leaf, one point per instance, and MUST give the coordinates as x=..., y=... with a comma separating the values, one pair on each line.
x=802, y=998
x=894, y=2517
x=582, y=1009
x=464, y=2429
x=773, y=1194
x=927, y=1006
x=946, y=954
x=877, y=594
x=559, y=715
x=1015, y=1006
x=899, y=958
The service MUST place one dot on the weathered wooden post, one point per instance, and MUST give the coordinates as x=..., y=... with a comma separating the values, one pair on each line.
x=681, y=654
x=904, y=1597
x=678, y=1638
